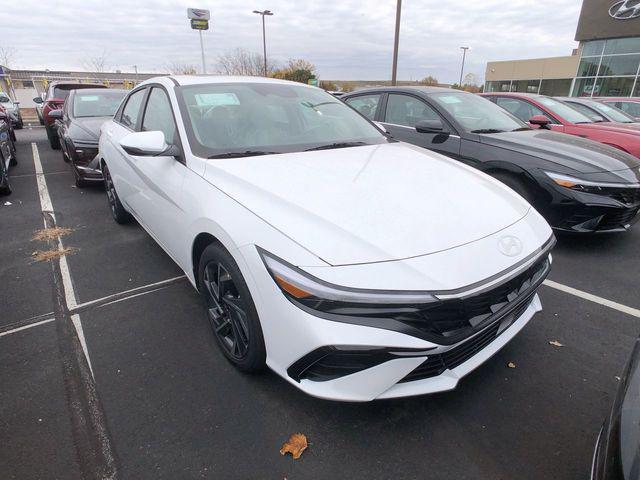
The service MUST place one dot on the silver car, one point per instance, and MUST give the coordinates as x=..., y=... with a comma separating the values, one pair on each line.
x=13, y=109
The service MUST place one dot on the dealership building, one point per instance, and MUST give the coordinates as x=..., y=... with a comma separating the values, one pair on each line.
x=606, y=62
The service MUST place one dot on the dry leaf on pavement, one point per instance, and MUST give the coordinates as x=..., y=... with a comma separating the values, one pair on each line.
x=511, y=365
x=296, y=444
x=556, y=343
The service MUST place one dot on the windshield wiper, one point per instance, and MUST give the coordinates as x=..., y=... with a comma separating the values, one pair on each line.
x=248, y=153
x=487, y=130
x=521, y=129
x=330, y=146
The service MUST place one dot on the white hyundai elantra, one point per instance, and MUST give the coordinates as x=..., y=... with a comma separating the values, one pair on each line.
x=354, y=266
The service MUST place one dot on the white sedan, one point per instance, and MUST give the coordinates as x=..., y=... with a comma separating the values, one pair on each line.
x=354, y=266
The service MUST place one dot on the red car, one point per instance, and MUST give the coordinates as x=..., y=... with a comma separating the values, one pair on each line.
x=545, y=112
x=56, y=94
x=629, y=105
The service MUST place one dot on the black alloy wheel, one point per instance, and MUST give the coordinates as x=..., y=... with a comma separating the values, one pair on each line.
x=230, y=310
x=120, y=215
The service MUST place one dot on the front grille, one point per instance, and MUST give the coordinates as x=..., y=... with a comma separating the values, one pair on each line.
x=450, y=321
x=628, y=196
x=618, y=219
x=436, y=364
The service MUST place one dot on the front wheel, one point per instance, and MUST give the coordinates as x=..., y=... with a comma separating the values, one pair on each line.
x=120, y=215
x=515, y=184
x=230, y=309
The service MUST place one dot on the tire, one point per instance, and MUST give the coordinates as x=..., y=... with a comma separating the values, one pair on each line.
x=120, y=215
x=54, y=141
x=231, y=312
x=515, y=184
x=41, y=120
x=5, y=187
x=14, y=161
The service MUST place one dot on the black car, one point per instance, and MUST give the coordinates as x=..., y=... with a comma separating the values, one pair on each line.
x=576, y=184
x=617, y=452
x=7, y=153
x=78, y=127
x=599, y=112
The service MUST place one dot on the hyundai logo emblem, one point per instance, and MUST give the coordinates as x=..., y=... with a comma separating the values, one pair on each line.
x=625, y=9
x=510, y=246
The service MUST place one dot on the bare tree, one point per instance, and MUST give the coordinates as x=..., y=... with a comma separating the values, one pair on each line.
x=178, y=68
x=97, y=63
x=243, y=62
x=6, y=56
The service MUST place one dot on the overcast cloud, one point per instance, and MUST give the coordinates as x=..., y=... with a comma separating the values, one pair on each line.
x=346, y=39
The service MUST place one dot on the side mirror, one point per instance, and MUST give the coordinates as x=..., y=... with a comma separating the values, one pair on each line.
x=430, y=126
x=540, y=120
x=148, y=144
x=56, y=114
x=38, y=100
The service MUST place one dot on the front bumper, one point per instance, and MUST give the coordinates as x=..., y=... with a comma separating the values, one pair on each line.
x=614, y=210
x=397, y=363
x=86, y=162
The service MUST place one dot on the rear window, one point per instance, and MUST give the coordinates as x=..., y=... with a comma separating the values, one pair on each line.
x=62, y=91
x=97, y=104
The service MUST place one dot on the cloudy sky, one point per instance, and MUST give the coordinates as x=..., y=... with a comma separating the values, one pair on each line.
x=346, y=39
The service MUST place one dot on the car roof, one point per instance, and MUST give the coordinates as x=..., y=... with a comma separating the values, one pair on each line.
x=514, y=94
x=617, y=99
x=183, y=80
x=410, y=88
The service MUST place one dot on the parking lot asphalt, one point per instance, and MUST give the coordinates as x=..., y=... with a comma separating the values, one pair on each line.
x=174, y=408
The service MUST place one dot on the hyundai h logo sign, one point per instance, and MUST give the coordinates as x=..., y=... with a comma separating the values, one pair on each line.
x=510, y=246
x=625, y=9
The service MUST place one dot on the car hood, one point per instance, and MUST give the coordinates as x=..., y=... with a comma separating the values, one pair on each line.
x=87, y=127
x=579, y=154
x=369, y=204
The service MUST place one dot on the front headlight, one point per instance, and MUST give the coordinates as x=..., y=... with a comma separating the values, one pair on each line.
x=585, y=185
x=307, y=290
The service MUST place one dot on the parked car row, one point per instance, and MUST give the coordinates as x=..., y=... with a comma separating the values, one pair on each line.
x=576, y=184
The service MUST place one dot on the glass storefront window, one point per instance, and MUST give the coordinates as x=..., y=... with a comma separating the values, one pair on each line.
x=622, y=45
x=525, y=86
x=614, y=87
x=588, y=67
x=556, y=88
x=619, y=65
x=498, y=86
x=592, y=48
x=584, y=87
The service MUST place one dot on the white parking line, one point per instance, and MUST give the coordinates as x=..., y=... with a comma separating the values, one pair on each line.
x=19, y=329
x=125, y=295
x=593, y=298
x=47, y=208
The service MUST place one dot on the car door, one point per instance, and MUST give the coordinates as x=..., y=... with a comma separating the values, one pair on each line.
x=63, y=128
x=403, y=112
x=162, y=176
x=121, y=165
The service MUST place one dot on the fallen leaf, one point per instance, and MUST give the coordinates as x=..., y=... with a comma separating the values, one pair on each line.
x=296, y=444
x=51, y=233
x=7, y=204
x=511, y=365
x=43, y=256
x=556, y=343
x=618, y=378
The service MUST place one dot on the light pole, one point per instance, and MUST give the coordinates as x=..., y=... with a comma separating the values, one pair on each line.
x=464, y=54
x=264, y=37
x=394, y=68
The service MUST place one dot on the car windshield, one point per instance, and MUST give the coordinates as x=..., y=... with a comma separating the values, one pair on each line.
x=97, y=104
x=476, y=114
x=615, y=114
x=563, y=110
x=257, y=118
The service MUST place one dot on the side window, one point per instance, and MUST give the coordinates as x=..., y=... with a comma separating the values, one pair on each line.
x=589, y=112
x=632, y=108
x=158, y=115
x=519, y=108
x=131, y=110
x=366, y=105
x=408, y=111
